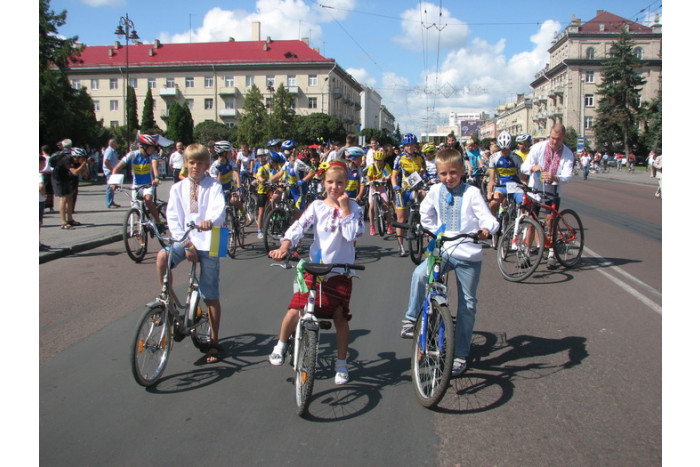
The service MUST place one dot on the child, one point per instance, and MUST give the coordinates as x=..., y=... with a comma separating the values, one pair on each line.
x=462, y=208
x=199, y=199
x=226, y=172
x=353, y=156
x=379, y=170
x=337, y=222
x=270, y=173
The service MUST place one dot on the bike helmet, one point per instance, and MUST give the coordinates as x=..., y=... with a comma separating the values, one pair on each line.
x=222, y=146
x=523, y=138
x=504, y=140
x=148, y=140
x=276, y=157
x=409, y=138
x=261, y=152
x=289, y=144
x=353, y=152
x=379, y=155
x=78, y=152
x=274, y=142
x=428, y=148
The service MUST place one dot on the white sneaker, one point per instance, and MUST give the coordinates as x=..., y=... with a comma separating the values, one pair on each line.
x=260, y=235
x=276, y=359
x=342, y=376
x=402, y=251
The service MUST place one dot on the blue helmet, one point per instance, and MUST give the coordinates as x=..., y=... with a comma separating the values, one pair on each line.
x=523, y=138
x=353, y=151
x=289, y=144
x=276, y=157
x=409, y=138
x=274, y=142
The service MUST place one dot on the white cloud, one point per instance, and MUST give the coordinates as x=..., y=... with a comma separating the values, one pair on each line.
x=362, y=76
x=99, y=3
x=429, y=27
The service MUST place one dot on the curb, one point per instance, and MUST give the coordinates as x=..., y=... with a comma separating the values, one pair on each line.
x=79, y=248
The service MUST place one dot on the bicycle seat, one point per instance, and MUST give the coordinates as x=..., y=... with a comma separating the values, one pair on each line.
x=318, y=269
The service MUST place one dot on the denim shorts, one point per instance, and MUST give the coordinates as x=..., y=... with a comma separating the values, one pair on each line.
x=208, y=270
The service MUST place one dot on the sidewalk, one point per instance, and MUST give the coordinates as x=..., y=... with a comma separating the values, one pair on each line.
x=100, y=225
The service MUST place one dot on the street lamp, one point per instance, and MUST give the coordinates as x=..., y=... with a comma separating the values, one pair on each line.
x=126, y=25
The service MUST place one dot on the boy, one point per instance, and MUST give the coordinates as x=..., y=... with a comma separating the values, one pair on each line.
x=461, y=208
x=199, y=199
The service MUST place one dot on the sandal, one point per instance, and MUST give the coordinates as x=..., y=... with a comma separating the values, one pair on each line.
x=67, y=227
x=74, y=223
x=213, y=354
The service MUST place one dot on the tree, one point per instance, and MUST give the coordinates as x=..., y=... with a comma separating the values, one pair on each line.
x=209, y=130
x=132, y=121
x=251, y=127
x=176, y=123
x=309, y=128
x=571, y=140
x=280, y=122
x=187, y=128
x=148, y=119
x=616, y=125
x=651, y=122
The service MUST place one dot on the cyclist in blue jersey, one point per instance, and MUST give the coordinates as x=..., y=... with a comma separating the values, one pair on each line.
x=226, y=172
x=474, y=157
x=504, y=166
x=145, y=169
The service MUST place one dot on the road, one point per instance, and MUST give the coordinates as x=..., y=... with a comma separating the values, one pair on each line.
x=568, y=364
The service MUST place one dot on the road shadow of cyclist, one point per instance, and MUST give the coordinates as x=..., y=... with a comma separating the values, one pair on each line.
x=496, y=363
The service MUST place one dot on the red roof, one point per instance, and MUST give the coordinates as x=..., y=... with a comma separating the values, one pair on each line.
x=613, y=23
x=200, y=53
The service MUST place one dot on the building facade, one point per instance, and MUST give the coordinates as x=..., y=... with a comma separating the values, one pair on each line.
x=213, y=78
x=565, y=91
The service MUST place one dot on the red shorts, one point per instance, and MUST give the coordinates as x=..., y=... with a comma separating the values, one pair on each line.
x=335, y=292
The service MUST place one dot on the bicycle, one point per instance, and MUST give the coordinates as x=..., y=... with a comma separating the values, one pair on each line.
x=138, y=225
x=433, y=346
x=248, y=200
x=279, y=219
x=507, y=212
x=303, y=344
x=165, y=320
x=236, y=225
x=379, y=212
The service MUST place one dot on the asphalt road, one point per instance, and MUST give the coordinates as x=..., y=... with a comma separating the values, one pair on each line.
x=568, y=366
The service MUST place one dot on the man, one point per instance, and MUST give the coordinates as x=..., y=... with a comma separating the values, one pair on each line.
x=368, y=160
x=110, y=161
x=61, y=179
x=176, y=160
x=550, y=164
x=585, y=163
x=504, y=167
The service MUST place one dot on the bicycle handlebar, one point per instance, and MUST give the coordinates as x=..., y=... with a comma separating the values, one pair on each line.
x=190, y=227
x=419, y=230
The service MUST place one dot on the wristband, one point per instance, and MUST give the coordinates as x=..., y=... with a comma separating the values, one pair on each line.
x=397, y=187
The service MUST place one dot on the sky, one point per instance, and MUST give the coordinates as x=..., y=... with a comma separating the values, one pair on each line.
x=425, y=59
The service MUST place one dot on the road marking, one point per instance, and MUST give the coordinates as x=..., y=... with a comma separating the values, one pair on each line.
x=624, y=286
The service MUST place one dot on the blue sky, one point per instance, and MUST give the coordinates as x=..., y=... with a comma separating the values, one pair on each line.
x=425, y=58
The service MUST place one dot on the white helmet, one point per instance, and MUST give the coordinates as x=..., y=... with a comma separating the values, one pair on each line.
x=504, y=140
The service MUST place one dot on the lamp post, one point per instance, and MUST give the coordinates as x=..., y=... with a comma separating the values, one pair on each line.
x=126, y=25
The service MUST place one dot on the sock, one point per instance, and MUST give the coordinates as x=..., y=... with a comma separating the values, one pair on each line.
x=281, y=347
x=341, y=364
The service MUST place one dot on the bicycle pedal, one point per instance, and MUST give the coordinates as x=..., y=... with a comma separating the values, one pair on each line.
x=324, y=324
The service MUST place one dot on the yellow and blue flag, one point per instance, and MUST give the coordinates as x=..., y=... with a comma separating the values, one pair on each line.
x=219, y=242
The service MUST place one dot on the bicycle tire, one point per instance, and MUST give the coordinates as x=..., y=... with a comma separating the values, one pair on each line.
x=275, y=227
x=135, y=236
x=240, y=232
x=377, y=217
x=231, y=224
x=415, y=244
x=515, y=260
x=306, y=369
x=151, y=347
x=250, y=207
x=567, y=239
x=431, y=370
x=162, y=208
x=201, y=328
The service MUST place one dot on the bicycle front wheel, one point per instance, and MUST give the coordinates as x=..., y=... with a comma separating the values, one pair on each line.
x=306, y=369
x=275, y=227
x=151, y=346
x=135, y=237
x=240, y=231
x=432, y=355
x=378, y=216
x=415, y=244
x=162, y=212
x=232, y=227
x=568, y=238
x=516, y=260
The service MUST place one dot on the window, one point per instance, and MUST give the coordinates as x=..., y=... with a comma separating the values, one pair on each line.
x=96, y=105
x=313, y=102
x=229, y=123
x=151, y=83
x=228, y=81
x=190, y=103
x=114, y=124
x=269, y=82
x=291, y=80
x=590, y=76
x=189, y=82
x=208, y=104
x=229, y=103
x=588, y=100
x=313, y=80
x=169, y=82
x=114, y=104
x=590, y=53
x=76, y=84
x=588, y=122
x=249, y=80
x=113, y=83
x=208, y=81
x=94, y=84
x=294, y=104
x=639, y=53
x=268, y=102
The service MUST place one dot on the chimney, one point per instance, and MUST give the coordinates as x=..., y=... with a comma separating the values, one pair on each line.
x=232, y=39
x=156, y=44
x=265, y=47
x=305, y=40
x=151, y=52
x=317, y=50
x=256, y=30
x=110, y=52
x=117, y=45
x=268, y=40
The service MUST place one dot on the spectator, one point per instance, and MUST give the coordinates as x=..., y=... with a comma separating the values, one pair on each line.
x=42, y=201
x=61, y=178
x=657, y=166
x=177, y=160
x=631, y=159
x=650, y=163
x=109, y=162
x=45, y=171
x=585, y=163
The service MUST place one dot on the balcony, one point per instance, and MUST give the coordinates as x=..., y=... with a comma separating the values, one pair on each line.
x=228, y=113
x=293, y=89
x=169, y=92
x=228, y=91
x=337, y=93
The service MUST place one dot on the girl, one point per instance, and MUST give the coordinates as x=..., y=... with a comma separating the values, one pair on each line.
x=337, y=223
x=379, y=170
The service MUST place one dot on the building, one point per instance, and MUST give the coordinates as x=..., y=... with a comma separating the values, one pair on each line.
x=515, y=117
x=213, y=78
x=565, y=91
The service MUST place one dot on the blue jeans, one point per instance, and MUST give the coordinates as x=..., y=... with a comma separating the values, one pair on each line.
x=208, y=270
x=467, y=274
x=109, y=194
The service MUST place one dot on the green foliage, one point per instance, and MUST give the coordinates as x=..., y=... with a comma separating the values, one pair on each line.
x=616, y=126
x=318, y=125
x=651, y=121
x=148, y=119
x=180, y=124
x=251, y=127
x=571, y=140
x=212, y=131
x=280, y=122
x=132, y=121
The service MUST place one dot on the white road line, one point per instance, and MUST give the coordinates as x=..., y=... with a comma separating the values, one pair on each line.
x=626, y=287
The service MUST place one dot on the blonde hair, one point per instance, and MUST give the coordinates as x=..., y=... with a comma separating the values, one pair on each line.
x=337, y=166
x=449, y=156
x=198, y=152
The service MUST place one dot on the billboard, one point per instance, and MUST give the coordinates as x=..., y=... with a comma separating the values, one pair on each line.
x=468, y=127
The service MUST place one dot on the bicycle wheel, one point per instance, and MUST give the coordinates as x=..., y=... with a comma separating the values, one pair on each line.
x=568, y=238
x=232, y=225
x=201, y=332
x=415, y=243
x=151, y=346
x=162, y=208
x=240, y=231
x=432, y=355
x=135, y=237
x=250, y=207
x=516, y=260
x=275, y=226
x=306, y=369
x=378, y=216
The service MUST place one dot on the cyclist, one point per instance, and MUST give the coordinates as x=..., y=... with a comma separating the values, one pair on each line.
x=145, y=168
x=460, y=208
x=245, y=160
x=428, y=152
x=505, y=166
x=379, y=170
x=524, y=141
x=353, y=155
x=408, y=162
x=337, y=223
x=198, y=199
x=271, y=173
x=226, y=173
